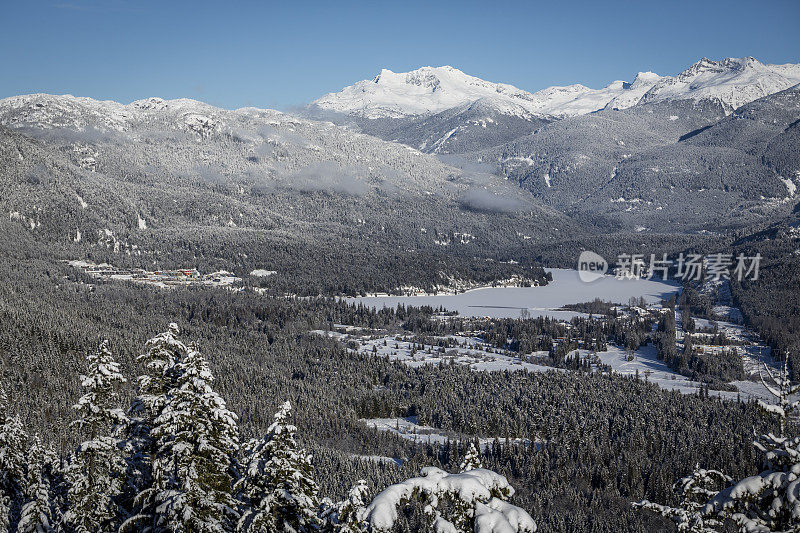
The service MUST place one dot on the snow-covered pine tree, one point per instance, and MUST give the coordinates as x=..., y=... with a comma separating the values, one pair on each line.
x=96, y=471
x=54, y=470
x=3, y=403
x=347, y=516
x=13, y=446
x=472, y=459
x=253, y=488
x=695, y=490
x=162, y=355
x=196, y=437
x=472, y=501
x=5, y=512
x=36, y=516
x=781, y=388
x=768, y=501
x=278, y=489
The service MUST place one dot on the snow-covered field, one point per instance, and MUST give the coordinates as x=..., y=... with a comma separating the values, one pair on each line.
x=476, y=354
x=479, y=356
x=510, y=302
x=409, y=429
x=646, y=362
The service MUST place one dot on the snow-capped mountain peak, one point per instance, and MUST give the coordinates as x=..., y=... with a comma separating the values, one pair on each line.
x=431, y=90
x=645, y=78
x=423, y=91
x=731, y=82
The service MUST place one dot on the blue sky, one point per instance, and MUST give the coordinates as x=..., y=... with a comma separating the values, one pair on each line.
x=265, y=54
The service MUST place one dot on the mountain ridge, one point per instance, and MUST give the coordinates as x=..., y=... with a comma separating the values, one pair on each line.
x=429, y=90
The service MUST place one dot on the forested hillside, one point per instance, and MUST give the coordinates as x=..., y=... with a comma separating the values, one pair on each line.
x=681, y=165
x=257, y=190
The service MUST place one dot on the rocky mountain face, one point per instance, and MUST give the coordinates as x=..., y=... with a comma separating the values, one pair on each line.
x=731, y=82
x=442, y=110
x=427, y=91
x=431, y=90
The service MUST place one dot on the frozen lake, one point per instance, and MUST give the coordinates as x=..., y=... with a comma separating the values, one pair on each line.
x=509, y=302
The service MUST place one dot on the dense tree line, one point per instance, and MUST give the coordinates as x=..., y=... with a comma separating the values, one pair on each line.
x=771, y=304
x=715, y=368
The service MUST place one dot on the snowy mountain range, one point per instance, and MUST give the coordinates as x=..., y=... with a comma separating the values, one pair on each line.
x=430, y=90
x=630, y=155
x=730, y=82
x=125, y=177
x=46, y=111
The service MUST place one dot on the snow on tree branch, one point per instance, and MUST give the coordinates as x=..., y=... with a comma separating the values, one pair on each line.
x=476, y=496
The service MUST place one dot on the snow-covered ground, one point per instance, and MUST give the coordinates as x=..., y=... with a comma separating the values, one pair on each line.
x=510, y=302
x=262, y=273
x=409, y=429
x=479, y=356
x=752, y=349
x=646, y=362
x=380, y=459
x=476, y=354
x=159, y=278
x=754, y=352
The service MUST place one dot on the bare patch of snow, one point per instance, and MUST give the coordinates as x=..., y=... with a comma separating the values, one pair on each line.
x=262, y=273
x=791, y=187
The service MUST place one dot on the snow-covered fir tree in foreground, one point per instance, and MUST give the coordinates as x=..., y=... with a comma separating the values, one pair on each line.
x=96, y=471
x=163, y=354
x=346, y=516
x=5, y=511
x=196, y=438
x=279, y=482
x=13, y=447
x=173, y=464
x=766, y=502
x=35, y=516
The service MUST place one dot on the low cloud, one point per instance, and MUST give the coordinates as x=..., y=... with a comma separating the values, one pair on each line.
x=244, y=135
x=467, y=166
x=211, y=175
x=329, y=177
x=486, y=201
